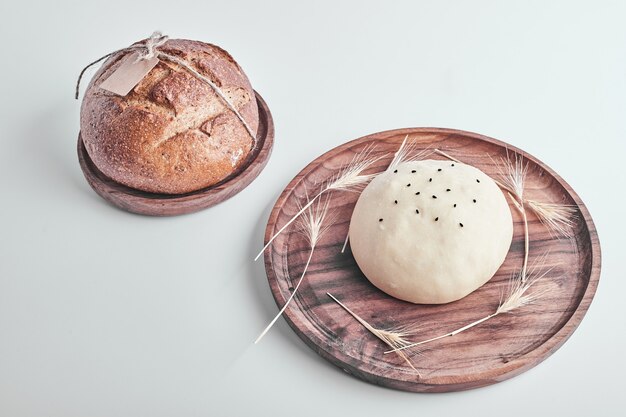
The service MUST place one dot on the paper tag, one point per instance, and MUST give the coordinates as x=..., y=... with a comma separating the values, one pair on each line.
x=128, y=74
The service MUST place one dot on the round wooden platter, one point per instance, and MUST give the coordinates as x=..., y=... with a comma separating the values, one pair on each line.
x=141, y=202
x=491, y=352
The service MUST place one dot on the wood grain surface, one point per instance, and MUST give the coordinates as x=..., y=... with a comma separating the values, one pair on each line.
x=491, y=352
x=141, y=202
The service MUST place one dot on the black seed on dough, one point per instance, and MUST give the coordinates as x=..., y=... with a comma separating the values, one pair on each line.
x=395, y=172
x=436, y=219
x=447, y=189
x=430, y=180
x=417, y=211
x=474, y=200
x=451, y=165
x=461, y=224
x=454, y=205
x=434, y=196
x=395, y=201
x=477, y=180
x=417, y=193
x=380, y=220
x=439, y=170
x=413, y=171
x=408, y=185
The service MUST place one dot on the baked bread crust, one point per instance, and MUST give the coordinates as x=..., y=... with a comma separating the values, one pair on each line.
x=171, y=134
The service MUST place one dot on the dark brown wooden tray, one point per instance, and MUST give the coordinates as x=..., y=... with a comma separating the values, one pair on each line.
x=141, y=202
x=488, y=353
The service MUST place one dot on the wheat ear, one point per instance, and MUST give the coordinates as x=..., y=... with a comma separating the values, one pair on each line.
x=394, y=338
x=312, y=227
x=559, y=219
x=517, y=297
x=514, y=178
x=405, y=153
x=349, y=178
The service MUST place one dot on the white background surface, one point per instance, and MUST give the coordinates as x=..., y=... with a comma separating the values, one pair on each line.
x=104, y=313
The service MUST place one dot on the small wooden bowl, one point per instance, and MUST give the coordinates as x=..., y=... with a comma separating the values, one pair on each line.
x=152, y=204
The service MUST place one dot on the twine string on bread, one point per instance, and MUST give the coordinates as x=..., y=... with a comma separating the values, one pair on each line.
x=102, y=58
x=149, y=50
x=154, y=41
x=215, y=88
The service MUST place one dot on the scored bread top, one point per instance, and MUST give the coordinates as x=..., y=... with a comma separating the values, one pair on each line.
x=172, y=133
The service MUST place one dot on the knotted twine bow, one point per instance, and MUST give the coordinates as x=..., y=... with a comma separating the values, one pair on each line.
x=149, y=50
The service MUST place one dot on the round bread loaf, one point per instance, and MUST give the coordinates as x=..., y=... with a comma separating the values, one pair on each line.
x=431, y=232
x=172, y=133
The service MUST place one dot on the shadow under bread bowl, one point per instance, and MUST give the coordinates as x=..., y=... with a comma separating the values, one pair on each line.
x=172, y=145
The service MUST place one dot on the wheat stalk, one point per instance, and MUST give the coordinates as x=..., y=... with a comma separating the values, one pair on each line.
x=518, y=296
x=312, y=227
x=513, y=175
x=442, y=153
x=401, y=154
x=349, y=178
x=559, y=219
x=345, y=242
x=405, y=153
x=520, y=207
x=396, y=339
x=514, y=178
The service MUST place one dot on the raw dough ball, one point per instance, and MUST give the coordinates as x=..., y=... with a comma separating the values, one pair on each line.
x=431, y=232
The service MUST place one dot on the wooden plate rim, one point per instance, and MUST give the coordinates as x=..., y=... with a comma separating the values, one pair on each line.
x=516, y=365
